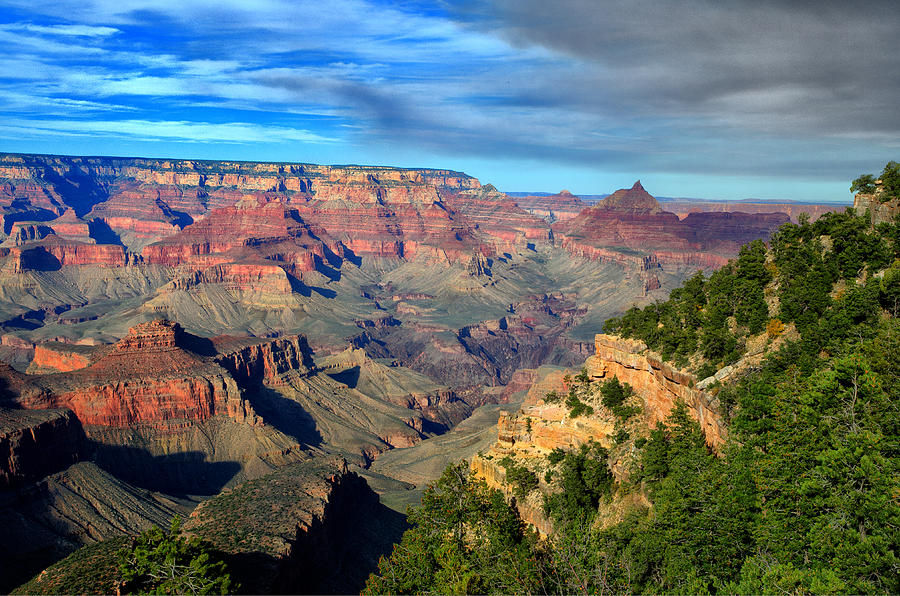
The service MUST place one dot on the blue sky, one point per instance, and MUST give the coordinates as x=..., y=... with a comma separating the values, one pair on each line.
x=719, y=99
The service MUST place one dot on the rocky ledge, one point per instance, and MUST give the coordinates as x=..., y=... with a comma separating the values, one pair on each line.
x=542, y=425
x=36, y=443
x=158, y=372
x=310, y=527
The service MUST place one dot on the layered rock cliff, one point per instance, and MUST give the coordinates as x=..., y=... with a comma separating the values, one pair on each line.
x=552, y=208
x=630, y=224
x=313, y=527
x=147, y=376
x=373, y=210
x=36, y=443
x=659, y=384
x=879, y=211
x=542, y=424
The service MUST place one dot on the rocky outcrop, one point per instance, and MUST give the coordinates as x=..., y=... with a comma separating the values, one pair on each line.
x=52, y=253
x=542, y=424
x=24, y=232
x=630, y=224
x=552, y=208
x=312, y=527
x=146, y=377
x=36, y=443
x=658, y=383
x=879, y=212
x=253, y=361
x=54, y=356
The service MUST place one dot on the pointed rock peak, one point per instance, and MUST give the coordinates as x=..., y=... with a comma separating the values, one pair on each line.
x=632, y=200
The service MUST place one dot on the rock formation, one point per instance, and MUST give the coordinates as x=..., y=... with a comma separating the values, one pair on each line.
x=147, y=376
x=684, y=207
x=552, y=208
x=879, y=212
x=658, y=383
x=36, y=443
x=313, y=527
x=630, y=224
x=542, y=425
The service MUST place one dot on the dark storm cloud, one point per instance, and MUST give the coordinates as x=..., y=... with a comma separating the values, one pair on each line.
x=819, y=67
x=792, y=89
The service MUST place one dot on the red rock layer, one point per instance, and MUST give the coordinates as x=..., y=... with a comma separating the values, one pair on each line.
x=632, y=219
x=273, y=231
x=22, y=233
x=683, y=207
x=492, y=213
x=59, y=357
x=376, y=211
x=259, y=275
x=144, y=378
x=71, y=227
x=52, y=252
x=552, y=208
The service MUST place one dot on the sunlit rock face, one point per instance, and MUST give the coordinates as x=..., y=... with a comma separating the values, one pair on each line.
x=542, y=425
x=631, y=219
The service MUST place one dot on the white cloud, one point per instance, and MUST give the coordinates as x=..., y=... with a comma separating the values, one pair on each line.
x=200, y=132
x=75, y=30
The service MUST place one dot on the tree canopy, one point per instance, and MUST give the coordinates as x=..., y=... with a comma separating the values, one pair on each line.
x=802, y=498
x=158, y=562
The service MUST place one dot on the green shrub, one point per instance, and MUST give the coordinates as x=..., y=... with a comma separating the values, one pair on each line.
x=157, y=562
x=521, y=478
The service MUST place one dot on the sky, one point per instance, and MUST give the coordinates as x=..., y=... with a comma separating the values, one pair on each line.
x=720, y=99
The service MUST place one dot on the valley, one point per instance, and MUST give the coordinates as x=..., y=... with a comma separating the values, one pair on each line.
x=223, y=340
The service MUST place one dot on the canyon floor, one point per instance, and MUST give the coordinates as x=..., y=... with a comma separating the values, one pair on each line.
x=202, y=338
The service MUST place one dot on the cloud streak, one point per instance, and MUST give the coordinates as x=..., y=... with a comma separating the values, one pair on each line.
x=699, y=87
x=160, y=130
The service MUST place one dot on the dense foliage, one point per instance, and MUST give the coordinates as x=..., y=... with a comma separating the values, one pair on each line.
x=803, y=497
x=519, y=477
x=466, y=539
x=157, y=562
x=818, y=276
x=583, y=479
x=890, y=183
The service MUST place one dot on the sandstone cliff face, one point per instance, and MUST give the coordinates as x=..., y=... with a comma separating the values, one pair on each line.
x=878, y=212
x=54, y=356
x=659, y=384
x=539, y=427
x=147, y=376
x=34, y=444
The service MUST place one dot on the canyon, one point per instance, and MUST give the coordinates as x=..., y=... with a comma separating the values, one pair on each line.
x=188, y=337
